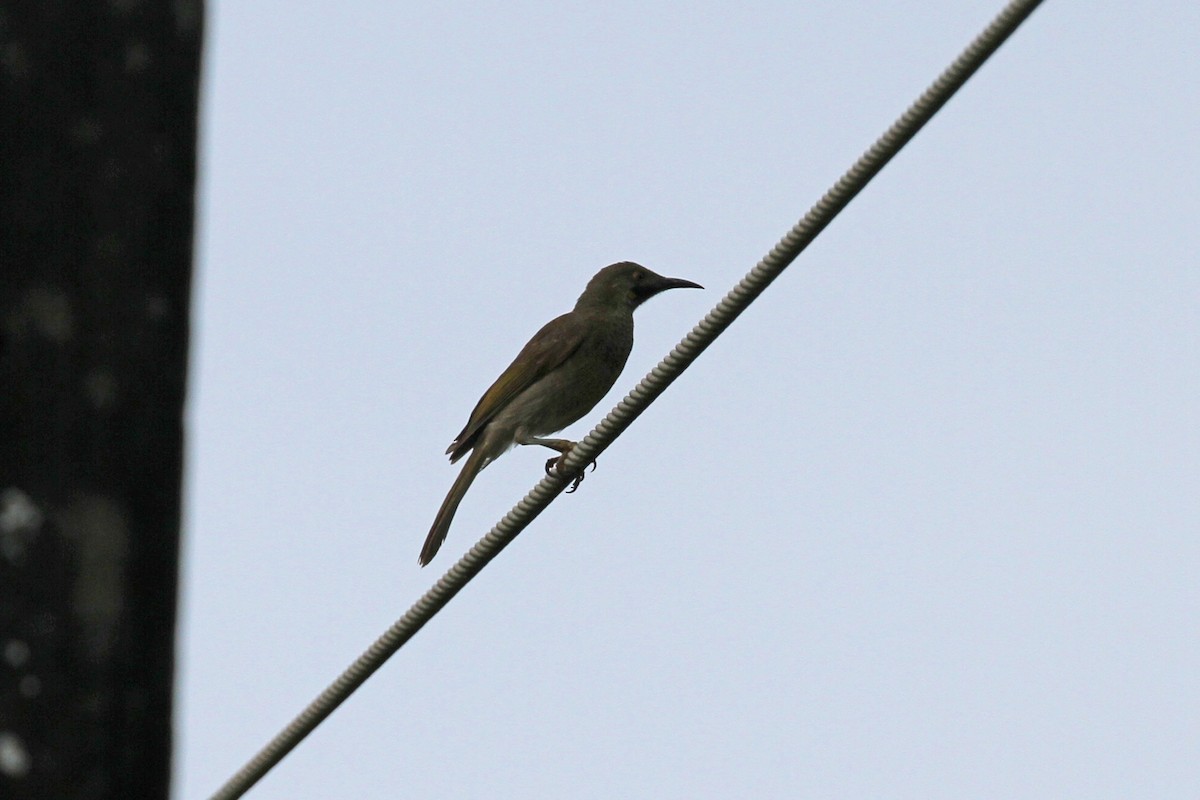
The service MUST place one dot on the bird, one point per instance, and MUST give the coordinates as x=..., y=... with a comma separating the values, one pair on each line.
x=560, y=375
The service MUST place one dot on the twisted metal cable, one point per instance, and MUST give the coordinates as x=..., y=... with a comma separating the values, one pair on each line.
x=649, y=388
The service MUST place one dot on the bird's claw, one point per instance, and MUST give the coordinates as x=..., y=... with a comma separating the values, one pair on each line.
x=555, y=464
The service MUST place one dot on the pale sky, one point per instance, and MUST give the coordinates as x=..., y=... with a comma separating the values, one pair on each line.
x=925, y=522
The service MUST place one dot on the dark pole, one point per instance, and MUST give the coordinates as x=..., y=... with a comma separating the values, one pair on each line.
x=98, y=105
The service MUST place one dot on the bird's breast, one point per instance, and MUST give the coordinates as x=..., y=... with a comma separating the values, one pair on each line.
x=571, y=390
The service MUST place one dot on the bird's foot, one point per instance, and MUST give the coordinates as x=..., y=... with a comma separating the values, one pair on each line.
x=556, y=464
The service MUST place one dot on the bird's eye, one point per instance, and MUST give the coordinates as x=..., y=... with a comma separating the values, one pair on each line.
x=637, y=276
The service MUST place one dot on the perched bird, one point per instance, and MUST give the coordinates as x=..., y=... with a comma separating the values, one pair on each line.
x=567, y=367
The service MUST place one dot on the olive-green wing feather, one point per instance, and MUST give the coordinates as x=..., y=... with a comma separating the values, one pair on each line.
x=549, y=347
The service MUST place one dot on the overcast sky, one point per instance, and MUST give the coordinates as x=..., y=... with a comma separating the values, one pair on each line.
x=925, y=523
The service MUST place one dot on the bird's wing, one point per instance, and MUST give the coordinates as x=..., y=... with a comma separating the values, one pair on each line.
x=549, y=347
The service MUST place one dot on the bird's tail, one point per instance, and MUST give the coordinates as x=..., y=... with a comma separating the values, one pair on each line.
x=441, y=523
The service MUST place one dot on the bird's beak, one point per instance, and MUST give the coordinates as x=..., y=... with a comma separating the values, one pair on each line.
x=653, y=284
x=676, y=283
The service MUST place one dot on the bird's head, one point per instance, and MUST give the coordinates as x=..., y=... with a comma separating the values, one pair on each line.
x=627, y=285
